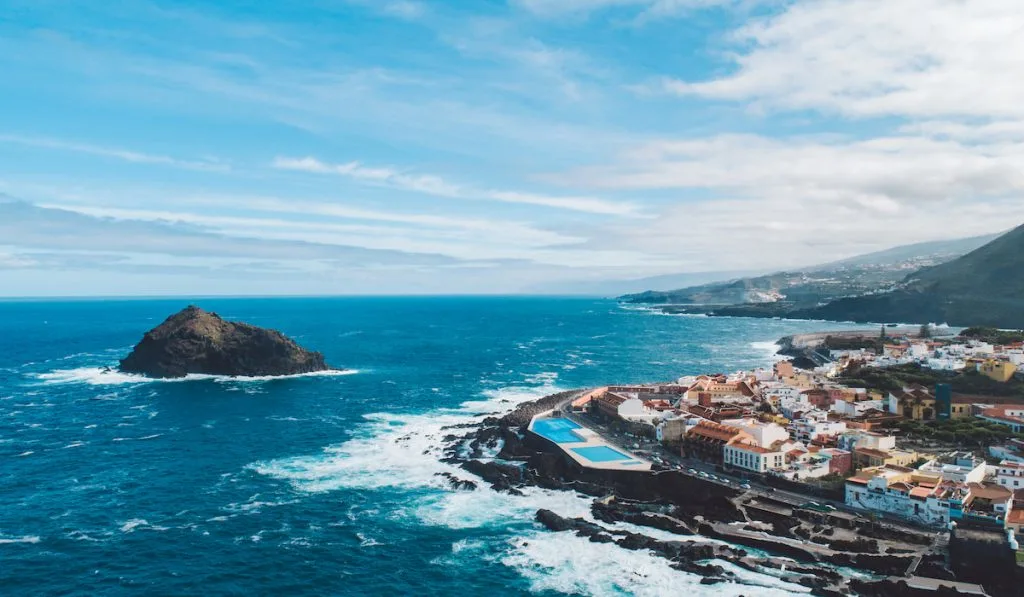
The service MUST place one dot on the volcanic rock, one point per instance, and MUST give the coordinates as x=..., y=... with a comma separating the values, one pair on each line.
x=197, y=341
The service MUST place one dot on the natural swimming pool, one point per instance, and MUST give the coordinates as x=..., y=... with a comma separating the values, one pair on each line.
x=601, y=454
x=559, y=431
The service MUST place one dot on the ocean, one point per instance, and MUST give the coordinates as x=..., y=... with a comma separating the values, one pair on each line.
x=113, y=484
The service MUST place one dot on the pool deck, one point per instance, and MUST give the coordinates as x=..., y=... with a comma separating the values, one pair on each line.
x=592, y=440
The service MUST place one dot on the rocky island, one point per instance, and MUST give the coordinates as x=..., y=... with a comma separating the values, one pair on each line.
x=198, y=341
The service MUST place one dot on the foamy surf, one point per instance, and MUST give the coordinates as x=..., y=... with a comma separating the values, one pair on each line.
x=769, y=349
x=103, y=376
x=404, y=451
x=393, y=450
x=565, y=563
x=30, y=539
x=130, y=526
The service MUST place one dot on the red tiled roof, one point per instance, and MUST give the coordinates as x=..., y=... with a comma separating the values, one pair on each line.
x=999, y=412
x=921, y=491
x=989, y=491
x=713, y=431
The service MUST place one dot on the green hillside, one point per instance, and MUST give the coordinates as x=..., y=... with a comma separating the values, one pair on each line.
x=984, y=287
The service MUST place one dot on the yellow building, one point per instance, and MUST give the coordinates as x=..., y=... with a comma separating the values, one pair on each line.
x=914, y=403
x=1000, y=371
x=869, y=457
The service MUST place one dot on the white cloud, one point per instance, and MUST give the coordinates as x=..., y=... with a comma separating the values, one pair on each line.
x=110, y=152
x=796, y=201
x=437, y=186
x=915, y=58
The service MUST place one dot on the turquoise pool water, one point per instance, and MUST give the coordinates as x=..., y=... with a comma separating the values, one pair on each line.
x=601, y=454
x=559, y=431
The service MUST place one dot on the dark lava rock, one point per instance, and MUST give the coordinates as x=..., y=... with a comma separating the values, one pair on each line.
x=552, y=521
x=502, y=477
x=196, y=341
x=457, y=483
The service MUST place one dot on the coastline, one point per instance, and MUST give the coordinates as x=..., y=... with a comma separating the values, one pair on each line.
x=754, y=529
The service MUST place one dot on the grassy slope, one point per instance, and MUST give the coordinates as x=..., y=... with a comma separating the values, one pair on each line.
x=984, y=287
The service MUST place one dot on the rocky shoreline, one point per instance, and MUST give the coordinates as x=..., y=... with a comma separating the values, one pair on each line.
x=829, y=554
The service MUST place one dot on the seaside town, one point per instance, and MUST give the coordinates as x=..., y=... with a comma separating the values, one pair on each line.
x=922, y=428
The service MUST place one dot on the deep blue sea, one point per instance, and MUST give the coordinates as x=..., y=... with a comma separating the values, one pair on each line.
x=320, y=485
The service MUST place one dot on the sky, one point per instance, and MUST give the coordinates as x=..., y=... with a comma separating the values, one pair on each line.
x=492, y=146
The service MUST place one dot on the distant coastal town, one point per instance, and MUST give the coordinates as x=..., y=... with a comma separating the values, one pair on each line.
x=922, y=427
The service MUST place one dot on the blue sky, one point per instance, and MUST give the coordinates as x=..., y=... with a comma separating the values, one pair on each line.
x=492, y=146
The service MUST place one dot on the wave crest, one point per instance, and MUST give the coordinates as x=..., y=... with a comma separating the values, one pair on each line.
x=103, y=376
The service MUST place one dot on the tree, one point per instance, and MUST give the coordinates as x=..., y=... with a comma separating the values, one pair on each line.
x=926, y=331
x=883, y=333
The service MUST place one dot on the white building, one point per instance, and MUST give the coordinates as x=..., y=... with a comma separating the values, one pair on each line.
x=960, y=467
x=890, y=490
x=855, y=409
x=752, y=458
x=948, y=363
x=764, y=434
x=815, y=424
x=1010, y=475
x=919, y=350
x=776, y=393
x=858, y=438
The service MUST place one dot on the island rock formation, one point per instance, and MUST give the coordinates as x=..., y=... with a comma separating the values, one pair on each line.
x=197, y=341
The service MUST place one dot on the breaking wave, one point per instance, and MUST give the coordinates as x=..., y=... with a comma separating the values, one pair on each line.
x=104, y=376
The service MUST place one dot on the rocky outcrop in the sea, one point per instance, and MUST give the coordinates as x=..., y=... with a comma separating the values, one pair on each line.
x=197, y=341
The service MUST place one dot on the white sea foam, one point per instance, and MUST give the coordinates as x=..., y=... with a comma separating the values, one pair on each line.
x=403, y=451
x=102, y=376
x=565, y=563
x=74, y=445
x=770, y=350
x=130, y=526
x=392, y=450
x=544, y=377
x=136, y=439
x=5, y=540
x=366, y=541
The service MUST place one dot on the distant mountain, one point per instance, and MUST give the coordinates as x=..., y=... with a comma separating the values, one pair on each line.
x=618, y=287
x=780, y=293
x=984, y=287
x=936, y=251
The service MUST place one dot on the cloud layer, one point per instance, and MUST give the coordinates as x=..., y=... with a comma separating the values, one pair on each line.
x=304, y=148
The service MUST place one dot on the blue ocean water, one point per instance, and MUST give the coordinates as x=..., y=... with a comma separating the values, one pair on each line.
x=319, y=485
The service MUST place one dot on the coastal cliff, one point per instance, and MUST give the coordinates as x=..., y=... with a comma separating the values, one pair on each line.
x=197, y=341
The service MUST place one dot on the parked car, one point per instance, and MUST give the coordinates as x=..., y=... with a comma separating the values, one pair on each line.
x=703, y=475
x=745, y=486
x=691, y=471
